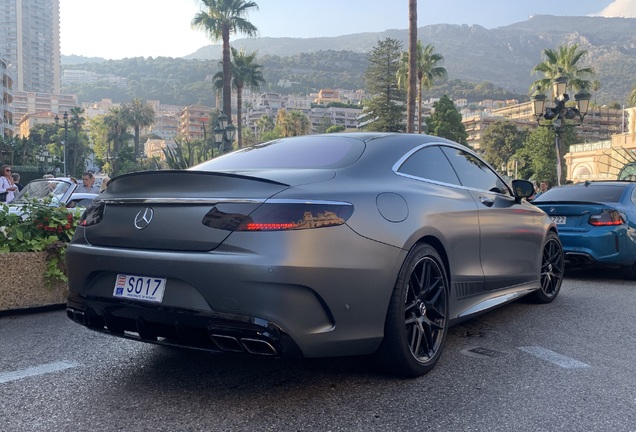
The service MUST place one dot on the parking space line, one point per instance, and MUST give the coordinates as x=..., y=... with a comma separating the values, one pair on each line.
x=554, y=358
x=6, y=377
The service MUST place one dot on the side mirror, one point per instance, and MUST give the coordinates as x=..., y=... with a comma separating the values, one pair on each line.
x=522, y=189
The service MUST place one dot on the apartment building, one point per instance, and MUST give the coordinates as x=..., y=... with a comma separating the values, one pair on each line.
x=31, y=120
x=6, y=99
x=33, y=102
x=30, y=43
x=599, y=124
x=194, y=121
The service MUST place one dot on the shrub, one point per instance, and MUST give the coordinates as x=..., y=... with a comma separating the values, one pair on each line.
x=39, y=226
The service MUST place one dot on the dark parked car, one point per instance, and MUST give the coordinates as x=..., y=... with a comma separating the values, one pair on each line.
x=596, y=221
x=314, y=246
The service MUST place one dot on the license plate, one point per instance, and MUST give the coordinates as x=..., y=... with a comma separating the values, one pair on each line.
x=559, y=220
x=140, y=288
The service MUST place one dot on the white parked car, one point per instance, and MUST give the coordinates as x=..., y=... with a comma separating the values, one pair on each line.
x=60, y=189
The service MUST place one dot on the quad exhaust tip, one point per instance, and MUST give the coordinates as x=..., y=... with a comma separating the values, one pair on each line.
x=250, y=345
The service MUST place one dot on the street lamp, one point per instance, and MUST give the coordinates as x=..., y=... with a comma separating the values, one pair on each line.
x=224, y=134
x=45, y=158
x=560, y=116
x=57, y=122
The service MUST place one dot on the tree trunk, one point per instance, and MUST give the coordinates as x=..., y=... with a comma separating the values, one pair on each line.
x=239, y=115
x=227, y=73
x=419, y=107
x=412, y=88
x=136, y=142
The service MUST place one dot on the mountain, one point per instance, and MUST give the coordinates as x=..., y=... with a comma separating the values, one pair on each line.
x=503, y=56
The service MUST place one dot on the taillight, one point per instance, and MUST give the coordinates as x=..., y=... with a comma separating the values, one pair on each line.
x=277, y=215
x=93, y=214
x=606, y=218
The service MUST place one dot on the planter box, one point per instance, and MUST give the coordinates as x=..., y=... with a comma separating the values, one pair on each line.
x=22, y=283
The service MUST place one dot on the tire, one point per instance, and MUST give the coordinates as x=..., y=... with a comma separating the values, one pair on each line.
x=552, y=269
x=417, y=317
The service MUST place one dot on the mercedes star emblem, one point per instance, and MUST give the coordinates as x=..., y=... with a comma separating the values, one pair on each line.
x=143, y=218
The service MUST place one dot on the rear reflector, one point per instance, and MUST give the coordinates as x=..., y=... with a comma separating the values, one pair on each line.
x=606, y=218
x=277, y=216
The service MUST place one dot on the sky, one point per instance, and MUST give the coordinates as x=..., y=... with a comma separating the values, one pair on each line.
x=117, y=29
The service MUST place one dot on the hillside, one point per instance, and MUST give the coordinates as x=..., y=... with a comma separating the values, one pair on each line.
x=503, y=56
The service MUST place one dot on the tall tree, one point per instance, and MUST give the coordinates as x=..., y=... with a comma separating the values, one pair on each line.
x=77, y=150
x=384, y=111
x=565, y=61
x=137, y=115
x=292, y=123
x=428, y=70
x=219, y=20
x=412, y=69
x=500, y=141
x=245, y=73
x=446, y=121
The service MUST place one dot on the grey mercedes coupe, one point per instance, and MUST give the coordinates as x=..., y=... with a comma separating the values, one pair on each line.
x=312, y=246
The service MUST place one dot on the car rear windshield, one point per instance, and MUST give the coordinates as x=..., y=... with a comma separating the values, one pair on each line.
x=592, y=193
x=301, y=152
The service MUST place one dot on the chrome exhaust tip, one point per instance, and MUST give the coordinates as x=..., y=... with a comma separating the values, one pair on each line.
x=259, y=347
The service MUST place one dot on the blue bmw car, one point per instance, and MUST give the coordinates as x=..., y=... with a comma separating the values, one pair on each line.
x=596, y=223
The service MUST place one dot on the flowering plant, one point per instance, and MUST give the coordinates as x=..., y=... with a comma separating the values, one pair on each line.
x=38, y=226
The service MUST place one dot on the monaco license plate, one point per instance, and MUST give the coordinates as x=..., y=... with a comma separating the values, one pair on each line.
x=559, y=220
x=144, y=288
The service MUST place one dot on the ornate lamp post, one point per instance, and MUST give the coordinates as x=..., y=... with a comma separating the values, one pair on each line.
x=559, y=116
x=224, y=134
x=57, y=122
x=45, y=159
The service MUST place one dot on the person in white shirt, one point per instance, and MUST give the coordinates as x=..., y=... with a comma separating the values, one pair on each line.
x=8, y=190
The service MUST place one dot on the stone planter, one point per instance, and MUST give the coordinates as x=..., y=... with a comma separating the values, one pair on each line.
x=22, y=283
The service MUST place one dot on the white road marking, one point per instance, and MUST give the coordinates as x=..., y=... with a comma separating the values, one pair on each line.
x=555, y=358
x=6, y=377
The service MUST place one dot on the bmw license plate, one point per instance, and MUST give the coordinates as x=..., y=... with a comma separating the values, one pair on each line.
x=559, y=220
x=140, y=288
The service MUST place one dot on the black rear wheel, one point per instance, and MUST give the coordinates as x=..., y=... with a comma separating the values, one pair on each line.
x=552, y=269
x=417, y=319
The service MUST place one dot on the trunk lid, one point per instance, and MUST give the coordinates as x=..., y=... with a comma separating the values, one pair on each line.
x=165, y=210
x=572, y=216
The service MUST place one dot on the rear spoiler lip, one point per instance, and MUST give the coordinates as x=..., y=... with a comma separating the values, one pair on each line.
x=189, y=172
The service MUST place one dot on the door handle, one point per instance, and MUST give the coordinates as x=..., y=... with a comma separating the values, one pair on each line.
x=488, y=202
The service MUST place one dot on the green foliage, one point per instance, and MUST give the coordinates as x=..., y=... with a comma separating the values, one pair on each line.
x=500, y=142
x=446, y=122
x=42, y=227
x=336, y=128
x=187, y=153
x=384, y=111
x=539, y=154
x=564, y=61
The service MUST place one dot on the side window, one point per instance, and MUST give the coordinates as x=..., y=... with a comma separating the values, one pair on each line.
x=429, y=163
x=473, y=172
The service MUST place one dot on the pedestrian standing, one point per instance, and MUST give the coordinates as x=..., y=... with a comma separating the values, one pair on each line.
x=7, y=188
x=16, y=181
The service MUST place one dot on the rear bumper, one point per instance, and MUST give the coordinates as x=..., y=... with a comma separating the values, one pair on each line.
x=209, y=331
x=598, y=247
x=294, y=292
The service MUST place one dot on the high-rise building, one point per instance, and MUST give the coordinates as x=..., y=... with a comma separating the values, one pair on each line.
x=30, y=43
x=6, y=99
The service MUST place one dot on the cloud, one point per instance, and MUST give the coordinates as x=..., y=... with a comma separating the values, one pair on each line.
x=619, y=8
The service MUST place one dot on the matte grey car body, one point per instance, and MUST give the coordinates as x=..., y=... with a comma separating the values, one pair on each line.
x=326, y=245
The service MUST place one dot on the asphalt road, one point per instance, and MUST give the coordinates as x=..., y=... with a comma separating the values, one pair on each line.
x=566, y=366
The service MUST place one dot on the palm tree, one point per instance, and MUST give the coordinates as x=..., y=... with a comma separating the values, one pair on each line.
x=220, y=19
x=76, y=122
x=137, y=115
x=564, y=61
x=116, y=123
x=245, y=73
x=412, y=67
x=428, y=70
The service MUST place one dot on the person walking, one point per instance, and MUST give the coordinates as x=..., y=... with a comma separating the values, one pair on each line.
x=7, y=188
